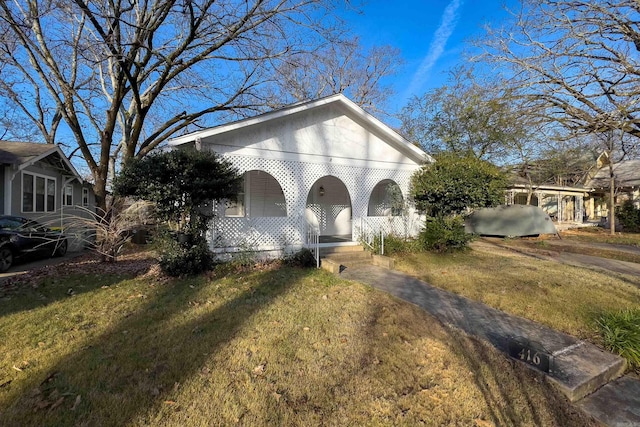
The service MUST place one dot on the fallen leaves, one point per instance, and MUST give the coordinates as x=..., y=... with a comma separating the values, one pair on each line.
x=24, y=365
x=47, y=396
x=76, y=403
x=134, y=264
x=259, y=370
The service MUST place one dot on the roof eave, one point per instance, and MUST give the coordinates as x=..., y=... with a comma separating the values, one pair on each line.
x=400, y=142
x=54, y=149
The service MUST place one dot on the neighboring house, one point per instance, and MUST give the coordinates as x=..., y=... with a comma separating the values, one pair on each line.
x=626, y=180
x=322, y=168
x=562, y=203
x=39, y=182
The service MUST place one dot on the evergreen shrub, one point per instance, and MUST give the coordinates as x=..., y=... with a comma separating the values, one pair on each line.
x=444, y=234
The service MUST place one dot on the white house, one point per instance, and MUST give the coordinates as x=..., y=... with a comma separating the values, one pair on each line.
x=324, y=168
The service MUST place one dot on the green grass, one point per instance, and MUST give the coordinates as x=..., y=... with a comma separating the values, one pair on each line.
x=620, y=332
x=562, y=297
x=270, y=346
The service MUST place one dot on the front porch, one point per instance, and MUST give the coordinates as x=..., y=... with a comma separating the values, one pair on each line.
x=258, y=221
x=325, y=168
x=562, y=204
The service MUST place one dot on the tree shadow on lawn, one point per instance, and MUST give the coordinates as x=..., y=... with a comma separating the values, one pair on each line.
x=134, y=367
x=533, y=399
x=46, y=285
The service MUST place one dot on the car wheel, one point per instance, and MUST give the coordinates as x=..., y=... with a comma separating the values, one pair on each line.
x=61, y=250
x=6, y=259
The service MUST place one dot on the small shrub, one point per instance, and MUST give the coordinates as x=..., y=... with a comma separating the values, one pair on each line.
x=394, y=245
x=444, y=234
x=303, y=258
x=620, y=332
x=179, y=259
x=628, y=216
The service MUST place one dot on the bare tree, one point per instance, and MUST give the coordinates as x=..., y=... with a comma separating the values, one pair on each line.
x=119, y=77
x=342, y=67
x=579, y=60
x=468, y=117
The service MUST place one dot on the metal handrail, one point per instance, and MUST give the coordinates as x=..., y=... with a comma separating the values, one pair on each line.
x=367, y=233
x=313, y=240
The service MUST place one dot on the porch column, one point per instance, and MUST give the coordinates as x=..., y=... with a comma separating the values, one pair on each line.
x=579, y=209
x=559, y=202
x=590, y=208
x=508, y=197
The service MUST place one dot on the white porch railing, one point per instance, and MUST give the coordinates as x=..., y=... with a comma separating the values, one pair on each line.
x=368, y=231
x=312, y=233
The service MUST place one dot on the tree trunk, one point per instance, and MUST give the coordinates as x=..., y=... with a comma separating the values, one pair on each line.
x=100, y=191
x=612, y=201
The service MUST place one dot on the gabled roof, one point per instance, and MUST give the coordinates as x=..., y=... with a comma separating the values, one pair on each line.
x=393, y=137
x=626, y=174
x=518, y=181
x=24, y=154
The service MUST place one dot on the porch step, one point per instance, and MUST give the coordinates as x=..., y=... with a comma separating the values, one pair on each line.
x=336, y=258
x=349, y=257
x=326, y=251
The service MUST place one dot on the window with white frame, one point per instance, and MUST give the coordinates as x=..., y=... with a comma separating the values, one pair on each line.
x=85, y=197
x=38, y=193
x=67, y=195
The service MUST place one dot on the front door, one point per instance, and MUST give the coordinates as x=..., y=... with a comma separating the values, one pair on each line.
x=329, y=208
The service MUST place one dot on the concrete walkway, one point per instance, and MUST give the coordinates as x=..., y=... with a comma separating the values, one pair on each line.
x=579, y=367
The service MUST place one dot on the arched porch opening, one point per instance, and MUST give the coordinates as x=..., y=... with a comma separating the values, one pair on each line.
x=385, y=199
x=328, y=208
x=260, y=196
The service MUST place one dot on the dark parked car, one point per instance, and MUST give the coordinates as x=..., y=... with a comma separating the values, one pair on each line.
x=22, y=238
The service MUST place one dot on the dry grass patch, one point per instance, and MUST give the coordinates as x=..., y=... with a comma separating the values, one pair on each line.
x=604, y=249
x=601, y=235
x=599, y=252
x=562, y=297
x=279, y=346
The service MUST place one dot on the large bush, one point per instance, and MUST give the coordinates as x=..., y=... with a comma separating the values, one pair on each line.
x=628, y=216
x=182, y=184
x=455, y=183
x=444, y=234
x=184, y=258
x=448, y=188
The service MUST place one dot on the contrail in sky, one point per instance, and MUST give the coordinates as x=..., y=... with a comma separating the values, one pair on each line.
x=440, y=38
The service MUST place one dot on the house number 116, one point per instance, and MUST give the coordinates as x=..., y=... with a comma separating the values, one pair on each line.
x=525, y=354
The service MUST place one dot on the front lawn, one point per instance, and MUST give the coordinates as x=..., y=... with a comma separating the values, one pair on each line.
x=601, y=235
x=271, y=346
x=562, y=297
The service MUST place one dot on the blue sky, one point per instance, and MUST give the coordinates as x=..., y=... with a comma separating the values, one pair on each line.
x=429, y=33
